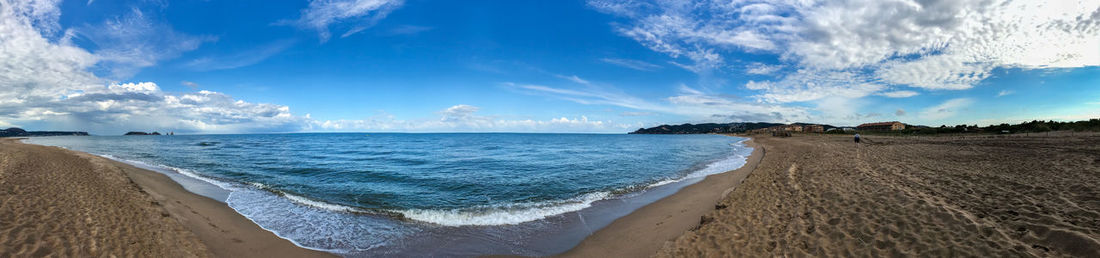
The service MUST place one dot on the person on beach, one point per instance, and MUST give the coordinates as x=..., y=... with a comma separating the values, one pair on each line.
x=857, y=138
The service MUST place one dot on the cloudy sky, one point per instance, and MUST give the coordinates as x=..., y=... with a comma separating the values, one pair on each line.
x=194, y=66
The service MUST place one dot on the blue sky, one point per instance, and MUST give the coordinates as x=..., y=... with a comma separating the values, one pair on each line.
x=540, y=66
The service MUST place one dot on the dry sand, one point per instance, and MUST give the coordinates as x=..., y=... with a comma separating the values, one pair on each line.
x=65, y=203
x=985, y=196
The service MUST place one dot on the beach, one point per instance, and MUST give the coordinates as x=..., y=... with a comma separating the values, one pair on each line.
x=362, y=195
x=941, y=196
x=807, y=195
x=67, y=203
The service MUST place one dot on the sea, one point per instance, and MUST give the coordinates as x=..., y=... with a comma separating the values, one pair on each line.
x=427, y=194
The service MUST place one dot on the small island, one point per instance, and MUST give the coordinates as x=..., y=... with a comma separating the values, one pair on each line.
x=141, y=133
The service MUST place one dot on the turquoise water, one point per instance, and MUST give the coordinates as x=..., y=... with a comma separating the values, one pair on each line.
x=408, y=194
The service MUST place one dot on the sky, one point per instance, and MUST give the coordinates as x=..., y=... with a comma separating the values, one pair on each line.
x=612, y=66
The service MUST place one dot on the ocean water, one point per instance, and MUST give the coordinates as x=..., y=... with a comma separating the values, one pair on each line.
x=359, y=194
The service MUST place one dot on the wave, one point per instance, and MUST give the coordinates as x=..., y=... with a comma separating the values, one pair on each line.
x=322, y=205
x=309, y=202
x=509, y=214
x=730, y=163
x=504, y=214
x=182, y=171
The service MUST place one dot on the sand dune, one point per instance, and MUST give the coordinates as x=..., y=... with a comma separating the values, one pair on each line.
x=987, y=196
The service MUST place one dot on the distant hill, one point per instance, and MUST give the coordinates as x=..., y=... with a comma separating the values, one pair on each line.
x=19, y=132
x=141, y=133
x=704, y=128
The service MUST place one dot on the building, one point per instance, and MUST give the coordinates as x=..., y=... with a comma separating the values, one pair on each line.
x=882, y=126
x=790, y=128
x=813, y=129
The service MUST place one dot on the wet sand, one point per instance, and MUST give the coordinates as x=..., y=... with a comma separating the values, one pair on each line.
x=67, y=203
x=646, y=230
x=939, y=196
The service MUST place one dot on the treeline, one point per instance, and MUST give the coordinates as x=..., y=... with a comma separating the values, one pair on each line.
x=1034, y=126
x=704, y=128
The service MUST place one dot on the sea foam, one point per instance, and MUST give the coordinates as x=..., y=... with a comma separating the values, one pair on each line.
x=509, y=214
x=182, y=171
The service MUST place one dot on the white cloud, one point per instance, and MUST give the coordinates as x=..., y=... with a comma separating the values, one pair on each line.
x=458, y=113
x=49, y=83
x=692, y=103
x=945, y=110
x=1004, y=93
x=632, y=64
x=899, y=94
x=124, y=45
x=464, y=118
x=935, y=45
x=573, y=78
x=630, y=113
x=246, y=58
x=27, y=58
x=190, y=84
x=762, y=69
x=809, y=85
x=952, y=43
x=39, y=14
x=321, y=14
x=674, y=26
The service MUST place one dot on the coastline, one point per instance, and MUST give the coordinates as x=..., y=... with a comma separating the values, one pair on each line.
x=224, y=231
x=203, y=226
x=644, y=231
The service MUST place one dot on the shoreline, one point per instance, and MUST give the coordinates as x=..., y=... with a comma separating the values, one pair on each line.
x=202, y=213
x=222, y=231
x=812, y=196
x=646, y=230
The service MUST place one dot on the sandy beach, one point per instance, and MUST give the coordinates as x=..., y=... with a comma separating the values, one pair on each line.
x=67, y=203
x=941, y=196
x=807, y=195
